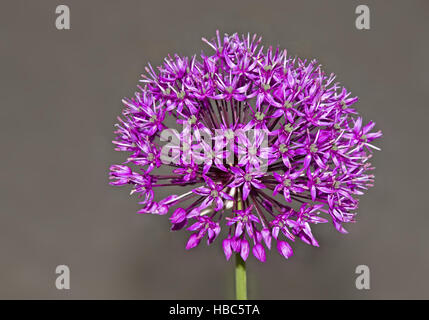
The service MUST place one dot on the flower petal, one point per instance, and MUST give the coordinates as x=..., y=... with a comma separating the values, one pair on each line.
x=245, y=248
x=193, y=241
x=226, y=244
x=285, y=249
x=259, y=252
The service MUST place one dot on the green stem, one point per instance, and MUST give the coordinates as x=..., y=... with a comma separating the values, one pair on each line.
x=240, y=266
x=240, y=278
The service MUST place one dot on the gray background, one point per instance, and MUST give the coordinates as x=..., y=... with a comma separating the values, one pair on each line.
x=61, y=93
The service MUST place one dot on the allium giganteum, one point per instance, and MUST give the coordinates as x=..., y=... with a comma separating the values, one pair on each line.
x=269, y=145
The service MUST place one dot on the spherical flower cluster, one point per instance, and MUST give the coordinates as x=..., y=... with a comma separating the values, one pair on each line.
x=285, y=147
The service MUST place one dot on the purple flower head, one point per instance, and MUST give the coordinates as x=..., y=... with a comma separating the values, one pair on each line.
x=264, y=144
